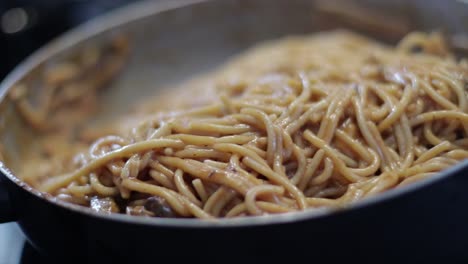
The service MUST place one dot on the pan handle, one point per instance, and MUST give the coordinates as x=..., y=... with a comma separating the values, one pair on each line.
x=6, y=212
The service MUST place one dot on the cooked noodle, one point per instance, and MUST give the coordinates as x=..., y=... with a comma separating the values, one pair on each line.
x=294, y=124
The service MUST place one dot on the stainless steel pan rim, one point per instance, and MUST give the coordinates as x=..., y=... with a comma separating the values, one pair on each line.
x=135, y=12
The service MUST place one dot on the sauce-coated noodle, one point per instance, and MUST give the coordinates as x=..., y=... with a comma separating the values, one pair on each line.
x=294, y=124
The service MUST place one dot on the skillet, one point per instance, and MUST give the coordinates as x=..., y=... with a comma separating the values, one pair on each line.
x=173, y=40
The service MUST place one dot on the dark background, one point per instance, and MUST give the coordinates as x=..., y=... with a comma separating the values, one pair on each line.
x=25, y=25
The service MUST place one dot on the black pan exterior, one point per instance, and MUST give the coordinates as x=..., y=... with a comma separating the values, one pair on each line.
x=6, y=212
x=426, y=224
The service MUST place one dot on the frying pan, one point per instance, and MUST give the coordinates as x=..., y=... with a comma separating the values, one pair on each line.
x=174, y=40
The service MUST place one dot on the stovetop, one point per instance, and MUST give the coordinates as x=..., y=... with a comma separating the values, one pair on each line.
x=14, y=248
x=12, y=242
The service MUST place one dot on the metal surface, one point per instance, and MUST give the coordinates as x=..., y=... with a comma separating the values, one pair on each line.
x=11, y=243
x=171, y=46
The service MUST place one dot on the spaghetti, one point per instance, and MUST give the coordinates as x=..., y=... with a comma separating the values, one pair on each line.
x=293, y=124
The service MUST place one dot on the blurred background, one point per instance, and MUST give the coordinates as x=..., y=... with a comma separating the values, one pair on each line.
x=25, y=25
